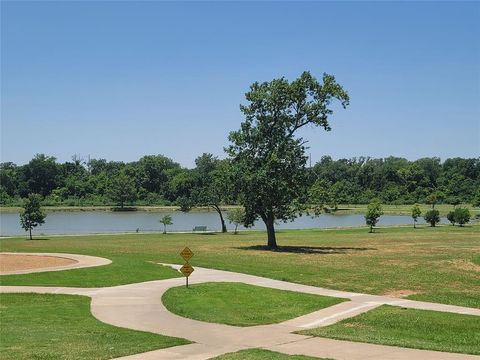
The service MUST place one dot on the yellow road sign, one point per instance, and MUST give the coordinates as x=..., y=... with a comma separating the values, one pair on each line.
x=186, y=269
x=186, y=254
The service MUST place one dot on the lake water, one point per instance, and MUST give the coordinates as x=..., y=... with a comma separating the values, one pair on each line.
x=89, y=222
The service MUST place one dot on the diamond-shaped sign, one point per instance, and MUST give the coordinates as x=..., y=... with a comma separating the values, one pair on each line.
x=186, y=254
x=186, y=269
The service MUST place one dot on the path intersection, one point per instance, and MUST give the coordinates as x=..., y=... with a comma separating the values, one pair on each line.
x=139, y=307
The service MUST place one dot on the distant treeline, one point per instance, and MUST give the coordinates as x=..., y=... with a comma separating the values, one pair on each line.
x=158, y=180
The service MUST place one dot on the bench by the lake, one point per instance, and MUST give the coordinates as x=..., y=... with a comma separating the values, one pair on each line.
x=200, y=228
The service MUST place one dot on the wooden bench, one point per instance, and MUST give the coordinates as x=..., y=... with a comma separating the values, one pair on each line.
x=200, y=228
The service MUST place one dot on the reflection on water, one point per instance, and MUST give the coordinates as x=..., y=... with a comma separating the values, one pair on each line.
x=115, y=222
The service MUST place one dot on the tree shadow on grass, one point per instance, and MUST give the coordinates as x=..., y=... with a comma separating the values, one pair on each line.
x=308, y=249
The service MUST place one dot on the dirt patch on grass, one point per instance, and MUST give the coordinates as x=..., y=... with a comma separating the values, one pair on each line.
x=400, y=293
x=10, y=262
x=399, y=263
x=463, y=264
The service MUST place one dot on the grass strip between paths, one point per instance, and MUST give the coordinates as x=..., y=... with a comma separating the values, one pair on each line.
x=45, y=326
x=260, y=354
x=411, y=328
x=240, y=304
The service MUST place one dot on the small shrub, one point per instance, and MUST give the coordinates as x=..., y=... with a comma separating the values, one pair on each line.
x=432, y=217
x=451, y=217
x=184, y=203
x=461, y=216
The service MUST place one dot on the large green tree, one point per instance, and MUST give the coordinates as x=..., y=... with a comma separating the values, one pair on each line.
x=122, y=189
x=268, y=156
x=32, y=214
x=40, y=175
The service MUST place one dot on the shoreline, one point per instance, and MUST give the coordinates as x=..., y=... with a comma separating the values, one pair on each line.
x=343, y=209
x=160, y=232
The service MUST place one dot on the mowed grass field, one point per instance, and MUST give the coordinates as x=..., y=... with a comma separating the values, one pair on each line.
x=439, y=264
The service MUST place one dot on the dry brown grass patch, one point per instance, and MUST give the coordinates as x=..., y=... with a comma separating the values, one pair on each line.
x=401, y=293
x=10, y=262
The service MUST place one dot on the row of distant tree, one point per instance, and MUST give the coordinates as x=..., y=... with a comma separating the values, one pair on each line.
x=158, y=180
x=460, y=215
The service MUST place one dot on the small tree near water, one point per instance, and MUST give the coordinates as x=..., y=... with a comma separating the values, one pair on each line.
x=166, y=220
x=374, y=211
x=416, y=213
x=32, y=215
x=236, y=216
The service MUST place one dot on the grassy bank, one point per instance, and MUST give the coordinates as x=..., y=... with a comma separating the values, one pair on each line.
x=36, y=326
x=434, y=264
x=419, y=329
x=342, y=209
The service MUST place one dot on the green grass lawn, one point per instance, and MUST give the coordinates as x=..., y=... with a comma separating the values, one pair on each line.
x=241, y=304
x=419, y=329
x=260, y=354
x=433, y=264
x=35, y=326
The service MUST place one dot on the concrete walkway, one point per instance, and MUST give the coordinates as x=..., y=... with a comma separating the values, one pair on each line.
x=82, y=261
x=138, y=306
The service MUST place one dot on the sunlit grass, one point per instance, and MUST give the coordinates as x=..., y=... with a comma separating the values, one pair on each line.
x=434, y=264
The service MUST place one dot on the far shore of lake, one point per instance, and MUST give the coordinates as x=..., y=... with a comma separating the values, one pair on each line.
x=342, y=209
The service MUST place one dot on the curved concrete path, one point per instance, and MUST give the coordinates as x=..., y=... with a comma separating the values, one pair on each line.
x=82, y=261
x=138, y=306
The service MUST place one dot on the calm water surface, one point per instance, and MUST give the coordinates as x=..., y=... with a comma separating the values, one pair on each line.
x=89, y=222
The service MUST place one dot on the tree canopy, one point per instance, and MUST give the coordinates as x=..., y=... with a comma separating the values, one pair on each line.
x=268, y=158
x=158, y=180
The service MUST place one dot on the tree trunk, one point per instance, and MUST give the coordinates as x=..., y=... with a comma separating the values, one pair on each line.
x=235, y=232
x=272, y=241
x=164, y=228
x=371, y=229
x=224, y=227
x=30, y=229
x=414, y=223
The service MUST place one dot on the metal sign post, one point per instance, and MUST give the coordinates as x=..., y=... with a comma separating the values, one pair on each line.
x=186, y=269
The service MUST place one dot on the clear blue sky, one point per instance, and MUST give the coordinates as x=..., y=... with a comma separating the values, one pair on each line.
x=119, y=80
